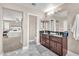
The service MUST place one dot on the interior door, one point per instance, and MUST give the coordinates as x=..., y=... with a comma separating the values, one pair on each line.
x=32, y=27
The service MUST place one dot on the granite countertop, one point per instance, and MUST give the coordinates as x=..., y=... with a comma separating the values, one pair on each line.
x=53, y=34
x=56, y=35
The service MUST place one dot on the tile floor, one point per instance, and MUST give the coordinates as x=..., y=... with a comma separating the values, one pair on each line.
x=35, y=50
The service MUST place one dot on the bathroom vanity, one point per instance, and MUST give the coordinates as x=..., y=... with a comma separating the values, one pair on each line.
x=55, y=41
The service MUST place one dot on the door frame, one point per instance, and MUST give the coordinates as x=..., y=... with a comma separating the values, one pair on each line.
x=37, y=34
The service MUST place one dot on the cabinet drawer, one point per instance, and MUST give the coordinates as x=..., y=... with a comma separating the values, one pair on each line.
x=53, y=38
x=59, y=39
x=47, y=37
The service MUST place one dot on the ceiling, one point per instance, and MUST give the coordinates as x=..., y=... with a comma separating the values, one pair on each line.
x=40, y=6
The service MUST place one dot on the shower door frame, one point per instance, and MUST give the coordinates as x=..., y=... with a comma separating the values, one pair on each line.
x=21, y=21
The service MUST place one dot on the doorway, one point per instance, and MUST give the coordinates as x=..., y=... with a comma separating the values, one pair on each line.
x=32, y=29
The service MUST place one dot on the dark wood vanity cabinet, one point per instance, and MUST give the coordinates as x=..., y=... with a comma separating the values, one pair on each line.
x=57, y=47
x=54, y=43
x=44, y=40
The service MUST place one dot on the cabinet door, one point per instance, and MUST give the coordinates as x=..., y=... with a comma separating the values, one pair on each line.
x=64, y=46
x=43, y=40
x=53, y=38
x=59, y=49
x=53, y=46
x=47, y=43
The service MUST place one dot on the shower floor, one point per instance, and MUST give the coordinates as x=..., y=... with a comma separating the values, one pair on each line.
x=11, y=44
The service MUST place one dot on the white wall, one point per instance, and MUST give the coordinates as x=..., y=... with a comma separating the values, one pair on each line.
x=25, y=21
x=38, y=29
x=1, y=30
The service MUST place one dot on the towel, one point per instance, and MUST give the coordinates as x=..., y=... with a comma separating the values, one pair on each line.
x=75, y=28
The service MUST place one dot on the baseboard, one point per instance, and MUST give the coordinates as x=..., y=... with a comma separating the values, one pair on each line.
x=38, y=44
x=25, y=47
x=70, y=53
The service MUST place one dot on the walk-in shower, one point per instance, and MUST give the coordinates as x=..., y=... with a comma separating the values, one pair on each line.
x=12, y=30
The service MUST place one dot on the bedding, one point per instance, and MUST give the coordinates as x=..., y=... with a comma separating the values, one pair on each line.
x=14, y=32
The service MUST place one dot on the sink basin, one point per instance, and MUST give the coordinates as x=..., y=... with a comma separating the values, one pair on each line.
x=56, y=35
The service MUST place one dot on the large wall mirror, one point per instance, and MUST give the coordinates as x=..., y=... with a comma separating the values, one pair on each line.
x=49, y=25
x=12, y=30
